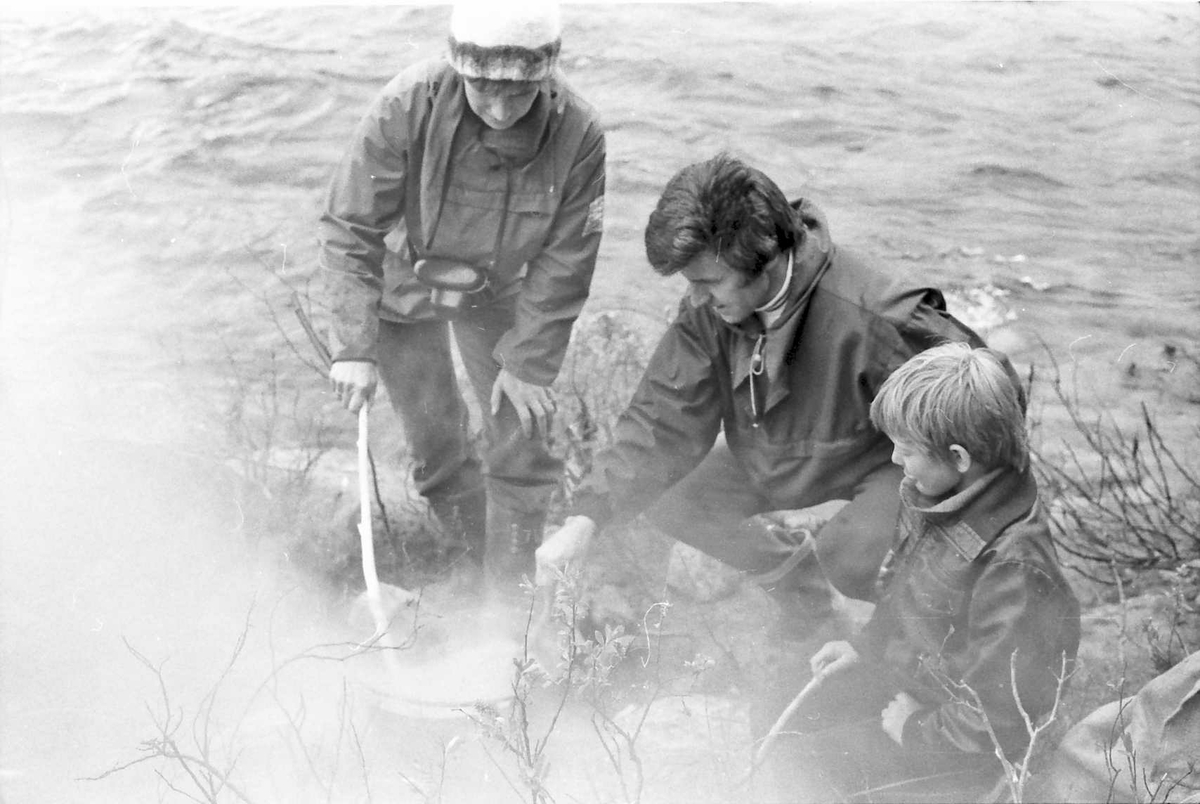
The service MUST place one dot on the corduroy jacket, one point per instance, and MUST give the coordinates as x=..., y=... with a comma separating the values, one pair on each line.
x=416, y=182
x=802, y=427
x=970, y=594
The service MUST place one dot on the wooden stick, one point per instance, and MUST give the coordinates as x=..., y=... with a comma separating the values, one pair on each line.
x=801, y=696
x=365, y=533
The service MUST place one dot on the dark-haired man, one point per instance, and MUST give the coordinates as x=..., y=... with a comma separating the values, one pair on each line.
x=779, y=345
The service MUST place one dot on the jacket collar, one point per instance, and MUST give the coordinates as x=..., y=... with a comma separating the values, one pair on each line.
x=975, y=516
x=448, y=108
x=813, y=258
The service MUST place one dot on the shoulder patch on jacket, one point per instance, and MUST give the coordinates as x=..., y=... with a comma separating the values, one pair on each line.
x=595, y=217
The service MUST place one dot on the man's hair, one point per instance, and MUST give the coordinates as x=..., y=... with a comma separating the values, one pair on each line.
x=956, y=394
x=722, y=206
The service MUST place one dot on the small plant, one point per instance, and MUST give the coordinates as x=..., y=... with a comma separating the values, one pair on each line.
x=1120, y=499
x=197, y=756
x=1017, y=770
x=602, y=655
x=585, y=667
x=204, y=777
x=1128, y=773
x=1167, y=649
x=275, y=428
x=511, y=728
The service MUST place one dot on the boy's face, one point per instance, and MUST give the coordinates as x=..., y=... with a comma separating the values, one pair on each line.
x=933, y=476
x=500, y=104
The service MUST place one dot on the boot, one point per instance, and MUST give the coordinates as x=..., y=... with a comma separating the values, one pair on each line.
x=463, y=517
x=512, y=537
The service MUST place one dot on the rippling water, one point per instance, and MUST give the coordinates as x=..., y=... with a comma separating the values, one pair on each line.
x=155, y=160
x=150, y=154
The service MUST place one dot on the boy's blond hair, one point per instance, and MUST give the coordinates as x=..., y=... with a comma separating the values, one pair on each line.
x=956, y=394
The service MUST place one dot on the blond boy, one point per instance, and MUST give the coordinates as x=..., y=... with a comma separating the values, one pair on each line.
x=971, y=603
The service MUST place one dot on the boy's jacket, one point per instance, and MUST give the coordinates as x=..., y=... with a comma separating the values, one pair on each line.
x=971, y=593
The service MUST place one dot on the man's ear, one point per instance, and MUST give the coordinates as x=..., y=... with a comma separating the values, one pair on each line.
x=960, y=458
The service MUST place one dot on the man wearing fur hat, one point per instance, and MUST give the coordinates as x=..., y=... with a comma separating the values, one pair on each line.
x=470, y=200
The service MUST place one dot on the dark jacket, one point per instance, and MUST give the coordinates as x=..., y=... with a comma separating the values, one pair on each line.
x=417, y=181
x=973, y=583
x=803, y=432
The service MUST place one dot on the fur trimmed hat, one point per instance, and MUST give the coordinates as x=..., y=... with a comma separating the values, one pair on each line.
x=505, y=40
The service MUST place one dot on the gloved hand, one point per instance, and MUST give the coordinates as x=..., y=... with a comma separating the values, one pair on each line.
x=568, y=543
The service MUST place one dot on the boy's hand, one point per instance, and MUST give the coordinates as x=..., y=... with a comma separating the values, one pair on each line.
x=568, y=543
x=833, y=657
x=896, y=714
x=533, y=403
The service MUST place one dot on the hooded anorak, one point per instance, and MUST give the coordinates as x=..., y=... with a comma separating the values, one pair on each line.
x=427, y=178
x=799, y=424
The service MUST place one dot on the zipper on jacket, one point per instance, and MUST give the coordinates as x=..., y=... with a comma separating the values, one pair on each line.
x=503, y=215
x=756, y=369
x=504, y=210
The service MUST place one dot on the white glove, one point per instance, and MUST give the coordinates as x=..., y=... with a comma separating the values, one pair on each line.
x=568, y=543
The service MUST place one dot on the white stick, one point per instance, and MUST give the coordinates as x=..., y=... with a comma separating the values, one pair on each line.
x=365, y=533
x=785, y=717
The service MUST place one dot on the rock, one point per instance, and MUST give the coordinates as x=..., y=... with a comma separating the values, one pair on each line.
x=610, y=604
x=683, y=726
x=1179, y=373
x=1123, y=645
x=699, y=577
